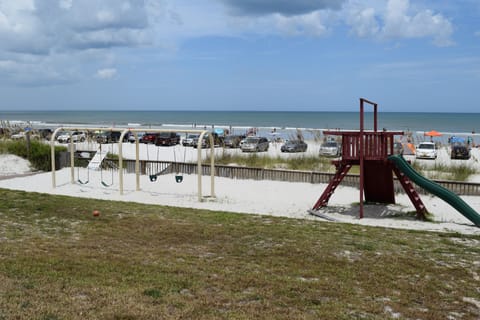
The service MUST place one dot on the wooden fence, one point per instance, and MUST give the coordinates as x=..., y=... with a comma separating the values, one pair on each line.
x=236, y=172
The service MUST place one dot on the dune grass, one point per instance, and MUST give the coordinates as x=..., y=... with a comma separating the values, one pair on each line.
x=258, y=160
x=438, y=171
x=135, y=261
x=442, y=171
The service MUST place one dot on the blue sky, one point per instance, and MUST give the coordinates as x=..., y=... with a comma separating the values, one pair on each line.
x=312, y=55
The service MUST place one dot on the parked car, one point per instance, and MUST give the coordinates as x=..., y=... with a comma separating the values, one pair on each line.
x=217, y=140
x=45, y=133
x=426, y=150
x=460, y=151
x=149, y=137
x=18, y=136
x=167, y=139
x=397, y=148
x=190, y=140
x=77, y=136
x=233, y=141
x=108, y=136
x=131, y=137
x=255, y=144
x=294, y=146
x=330, y=149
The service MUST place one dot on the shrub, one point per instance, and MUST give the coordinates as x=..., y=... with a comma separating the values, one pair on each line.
x=39, y=155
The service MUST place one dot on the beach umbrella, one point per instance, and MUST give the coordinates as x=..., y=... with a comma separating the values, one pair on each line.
x=433, y=133
x=219, y=131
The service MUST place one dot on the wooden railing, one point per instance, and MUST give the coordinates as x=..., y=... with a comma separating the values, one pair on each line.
x=236, y=172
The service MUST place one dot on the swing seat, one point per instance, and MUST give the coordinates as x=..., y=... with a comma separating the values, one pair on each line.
x=106, y=184
x=82, y=182
x=178, y=178
x=153, y=177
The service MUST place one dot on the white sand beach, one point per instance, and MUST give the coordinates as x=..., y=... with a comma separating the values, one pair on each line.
x=244, y=196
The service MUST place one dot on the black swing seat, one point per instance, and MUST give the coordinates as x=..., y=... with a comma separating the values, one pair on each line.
x=178, y=178
x=106, y=184
x=153, y=177
x=82, y=182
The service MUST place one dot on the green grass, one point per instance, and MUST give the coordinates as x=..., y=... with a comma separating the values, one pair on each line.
x=445, y=172
x=38, y=153
x=302, y=162
x=139, y=261
x=321, y=164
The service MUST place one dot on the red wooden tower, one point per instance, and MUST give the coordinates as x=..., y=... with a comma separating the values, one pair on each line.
x=369, y=150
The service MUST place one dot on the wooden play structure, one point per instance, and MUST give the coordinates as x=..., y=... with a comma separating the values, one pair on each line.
x=370, y=150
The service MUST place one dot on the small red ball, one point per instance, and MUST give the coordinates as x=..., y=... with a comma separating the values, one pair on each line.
x=96, y=213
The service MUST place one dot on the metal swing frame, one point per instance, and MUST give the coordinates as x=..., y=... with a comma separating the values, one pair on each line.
x=124, y=131
x=102, y=181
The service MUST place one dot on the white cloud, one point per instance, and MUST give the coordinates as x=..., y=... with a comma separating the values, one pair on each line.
x=363, y=22
x=107, y=73
x=50, y=30
x=65, y=4
x=310, y=24
x=400, y=24
x=47, y=31
x=397, y=20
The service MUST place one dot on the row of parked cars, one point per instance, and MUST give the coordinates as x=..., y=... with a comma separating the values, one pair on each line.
x=246, y=144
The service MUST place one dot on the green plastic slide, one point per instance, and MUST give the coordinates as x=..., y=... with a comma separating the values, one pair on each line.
x=436, y=189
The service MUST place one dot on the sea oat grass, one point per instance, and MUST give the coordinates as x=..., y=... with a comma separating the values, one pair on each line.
x=302, y=162
x=441, y=171
x=135, y=261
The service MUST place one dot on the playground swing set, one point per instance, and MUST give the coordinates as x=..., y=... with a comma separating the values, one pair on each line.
x=96, y=162
x=178, y=177
x=100, y=166
x=373, y=152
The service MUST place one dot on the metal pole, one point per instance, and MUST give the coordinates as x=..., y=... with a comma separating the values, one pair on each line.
x=120, y=162
x=212, y=166
x=137, y=161
x=199, y=165
x=361, y=159
x=72, y=162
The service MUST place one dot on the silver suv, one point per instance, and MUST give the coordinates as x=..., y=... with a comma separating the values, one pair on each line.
x=255, y=144
x=330, y=149
x=77, y=136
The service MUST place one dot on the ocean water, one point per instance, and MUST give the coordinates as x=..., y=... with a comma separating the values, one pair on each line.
x=284, y=122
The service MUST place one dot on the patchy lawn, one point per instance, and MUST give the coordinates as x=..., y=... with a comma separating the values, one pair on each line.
x=134, y=261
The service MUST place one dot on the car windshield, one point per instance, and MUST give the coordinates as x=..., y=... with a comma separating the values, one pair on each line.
x=330, y=145
x=192, y=136
x=252, y=140
x=294, y=142
x=165, y=134
x=426, y=146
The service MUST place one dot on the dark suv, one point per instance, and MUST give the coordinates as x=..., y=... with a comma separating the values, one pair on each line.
x=108, y=136
x=233, y=141
x=460, y=151
x=167, y=139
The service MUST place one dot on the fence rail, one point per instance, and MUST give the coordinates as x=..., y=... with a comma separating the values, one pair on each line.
x=236, y=172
